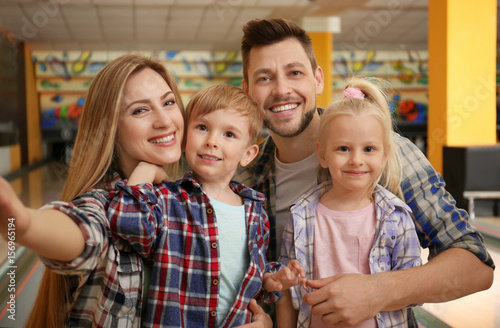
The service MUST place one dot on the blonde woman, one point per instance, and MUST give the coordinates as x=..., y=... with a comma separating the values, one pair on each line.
x=351, y=223
x=132, y=113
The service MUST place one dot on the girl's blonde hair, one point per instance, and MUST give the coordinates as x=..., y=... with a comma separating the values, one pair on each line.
x=226, y=96
x=93, y=163
x=376, y=104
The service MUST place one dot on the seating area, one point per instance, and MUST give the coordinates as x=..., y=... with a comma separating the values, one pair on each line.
x=472, y=195
x=473, y=173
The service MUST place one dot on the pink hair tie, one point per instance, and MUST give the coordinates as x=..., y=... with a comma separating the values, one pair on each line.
x=353, y=93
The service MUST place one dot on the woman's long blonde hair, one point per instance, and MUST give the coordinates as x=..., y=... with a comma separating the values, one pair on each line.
x=93, y=162
x=375, y=103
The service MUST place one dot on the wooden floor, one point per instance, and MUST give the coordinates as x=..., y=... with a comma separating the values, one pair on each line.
x=477, y=310
x=42, y=185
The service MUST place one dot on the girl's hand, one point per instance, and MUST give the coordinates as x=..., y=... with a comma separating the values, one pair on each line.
x=291, y=275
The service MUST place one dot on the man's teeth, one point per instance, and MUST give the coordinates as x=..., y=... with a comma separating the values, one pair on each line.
x=283, y=108
x=163, y=140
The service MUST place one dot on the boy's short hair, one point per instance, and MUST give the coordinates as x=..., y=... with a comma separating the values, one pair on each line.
x=226, y=96
x=262, y=32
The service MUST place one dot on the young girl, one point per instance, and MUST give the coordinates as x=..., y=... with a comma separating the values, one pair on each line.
x=208, y=235
x=351, y=224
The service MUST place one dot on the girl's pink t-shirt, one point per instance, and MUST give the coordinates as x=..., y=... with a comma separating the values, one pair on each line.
x=342, y=244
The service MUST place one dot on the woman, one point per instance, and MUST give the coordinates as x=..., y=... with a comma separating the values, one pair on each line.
x=133, y=112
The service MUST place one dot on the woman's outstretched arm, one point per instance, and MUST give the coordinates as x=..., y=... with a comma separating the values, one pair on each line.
x=49, y=233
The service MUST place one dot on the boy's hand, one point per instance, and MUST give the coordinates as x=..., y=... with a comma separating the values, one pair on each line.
x=12, y=211
x=260, y=319
x=147, y=173
x=291, y=275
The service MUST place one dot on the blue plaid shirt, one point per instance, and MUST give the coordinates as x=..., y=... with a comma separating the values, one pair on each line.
x=440, y=224
x=175, y=224
x=395, y=246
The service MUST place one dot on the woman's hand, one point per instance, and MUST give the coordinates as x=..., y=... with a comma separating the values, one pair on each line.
x=14, y=216
x=49, y=233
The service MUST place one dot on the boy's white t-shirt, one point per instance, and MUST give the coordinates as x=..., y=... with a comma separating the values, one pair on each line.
x=342, y=244
x=233, y=251
x=292, y=180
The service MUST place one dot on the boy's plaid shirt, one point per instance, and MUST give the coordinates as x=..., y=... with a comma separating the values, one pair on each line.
x=175, y=224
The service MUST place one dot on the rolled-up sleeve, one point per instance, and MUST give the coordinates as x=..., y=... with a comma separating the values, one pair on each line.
x=88, y=211
x=440, y=224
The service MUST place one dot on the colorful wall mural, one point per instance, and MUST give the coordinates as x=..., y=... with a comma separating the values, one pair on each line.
x=406, y=71
x=63, y=78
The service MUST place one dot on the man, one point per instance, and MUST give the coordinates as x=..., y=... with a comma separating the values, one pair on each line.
x=282, y=76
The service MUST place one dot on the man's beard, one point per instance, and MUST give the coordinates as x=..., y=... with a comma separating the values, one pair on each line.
x=304, y=123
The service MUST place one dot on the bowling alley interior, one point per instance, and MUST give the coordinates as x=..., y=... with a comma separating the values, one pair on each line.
x=441, y=59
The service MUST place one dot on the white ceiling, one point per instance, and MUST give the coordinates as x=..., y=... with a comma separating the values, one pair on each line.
x=203, y=24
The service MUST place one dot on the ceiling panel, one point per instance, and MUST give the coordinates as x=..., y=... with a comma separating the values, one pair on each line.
x=151, y=12
x=189, y=13
x=197, y=2
x=80, y=2
x=10, y=10
x=18, y=1
x=114, y=2
x=89, y=36
x=55, y=34
x=82, y=11
x=252, y=13
x=145, y=3
x=107, y=12
x=249, y=3
x=270, y=3
x=199, y=24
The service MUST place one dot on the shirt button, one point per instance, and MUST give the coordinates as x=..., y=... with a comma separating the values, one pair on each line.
x=382, y=242
x=378, y=315
x=214, y=245
x=213, y=313
x=209, y=211
x=215, y=282
x=371, y=260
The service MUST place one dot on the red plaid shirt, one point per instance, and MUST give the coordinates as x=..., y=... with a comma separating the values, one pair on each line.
x=174, y=223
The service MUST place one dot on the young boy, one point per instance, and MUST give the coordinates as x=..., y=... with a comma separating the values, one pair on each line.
x=208, y=235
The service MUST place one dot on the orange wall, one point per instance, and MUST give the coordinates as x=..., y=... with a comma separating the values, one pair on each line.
x=323, y=47
x=462, y=75
x=32, y=111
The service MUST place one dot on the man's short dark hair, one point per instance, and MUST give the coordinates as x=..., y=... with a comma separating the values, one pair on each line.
x=261, y=32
